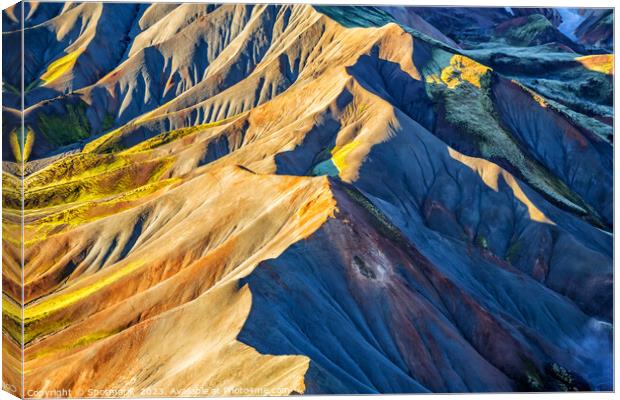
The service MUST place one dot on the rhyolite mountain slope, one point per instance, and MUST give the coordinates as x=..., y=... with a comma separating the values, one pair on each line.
x=299, y=199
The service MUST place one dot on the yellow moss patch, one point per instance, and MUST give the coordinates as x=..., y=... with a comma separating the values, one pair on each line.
x=53, y=304
x=11, y=308
x=91, y=338
x=35, y=330
x=340, y=153
x=461, y=69
x=603, y=63
x=100, y=141
x=21, y=155
x=15, y=145
x=107, y=141
x=10, y=182
x=115, y=181
x=170, y=136
x=28, y=143
x=92, y=211
x=75, y=168
x=81, y=341
x=59, y=67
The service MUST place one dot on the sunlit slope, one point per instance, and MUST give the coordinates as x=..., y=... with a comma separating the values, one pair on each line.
x=12, y=370
x=313, y=201
x=156, y=282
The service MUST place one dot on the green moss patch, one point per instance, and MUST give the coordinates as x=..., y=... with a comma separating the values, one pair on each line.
x=93, y=187
x=472, y=112
x=70, y=127
x=526, y=34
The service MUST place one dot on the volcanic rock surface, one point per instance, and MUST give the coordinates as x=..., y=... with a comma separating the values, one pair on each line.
x=261, y=199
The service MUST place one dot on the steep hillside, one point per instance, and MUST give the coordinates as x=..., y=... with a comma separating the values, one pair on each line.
x=281, y=199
